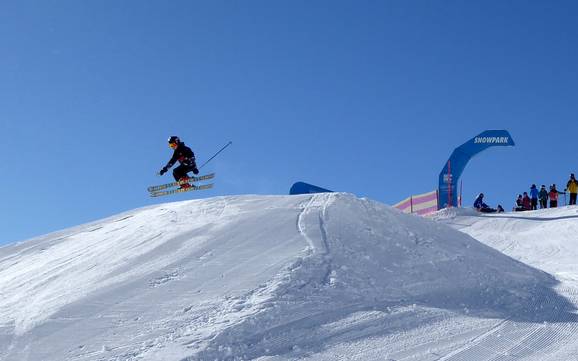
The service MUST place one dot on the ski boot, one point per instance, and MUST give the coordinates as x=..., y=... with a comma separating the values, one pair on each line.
x=184, y=181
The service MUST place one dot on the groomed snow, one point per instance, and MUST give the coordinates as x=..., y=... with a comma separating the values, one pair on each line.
x=321, y=277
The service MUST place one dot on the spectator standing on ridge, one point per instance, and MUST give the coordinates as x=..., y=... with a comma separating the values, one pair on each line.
x=543, y=196
x=534, y=197
x=526, y=202
x=554, y=196
x=572, y=187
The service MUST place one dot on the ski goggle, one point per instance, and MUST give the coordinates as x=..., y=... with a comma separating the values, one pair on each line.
x=173, y=145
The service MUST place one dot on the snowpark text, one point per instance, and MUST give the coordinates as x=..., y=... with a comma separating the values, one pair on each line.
x=491, y=140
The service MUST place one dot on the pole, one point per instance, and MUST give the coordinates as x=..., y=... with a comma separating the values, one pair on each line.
x=220, y=150
x=450, y=184
x=461, y=193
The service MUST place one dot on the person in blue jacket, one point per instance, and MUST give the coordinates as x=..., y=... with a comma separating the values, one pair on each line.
x=483, y=207
x=534, y=197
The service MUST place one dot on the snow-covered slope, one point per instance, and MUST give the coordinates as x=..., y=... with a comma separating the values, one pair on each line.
x=326, y=276
x=547, y=238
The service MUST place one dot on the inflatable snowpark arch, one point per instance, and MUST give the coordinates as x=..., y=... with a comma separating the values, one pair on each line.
x=305, y=188
x=452, y=170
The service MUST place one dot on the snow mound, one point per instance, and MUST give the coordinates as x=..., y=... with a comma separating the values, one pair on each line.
x=245, y=277
x=452, y=213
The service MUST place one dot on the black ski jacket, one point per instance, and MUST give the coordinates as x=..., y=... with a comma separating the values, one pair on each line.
x=184, y=155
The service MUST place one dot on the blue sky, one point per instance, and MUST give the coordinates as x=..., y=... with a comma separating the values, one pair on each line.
x=368, y=97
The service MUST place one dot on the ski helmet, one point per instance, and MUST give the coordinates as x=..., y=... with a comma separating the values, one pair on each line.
x=174, y=140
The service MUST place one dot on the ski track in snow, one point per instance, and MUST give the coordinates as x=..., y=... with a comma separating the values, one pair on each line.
x=531, y=340
x=313, y=277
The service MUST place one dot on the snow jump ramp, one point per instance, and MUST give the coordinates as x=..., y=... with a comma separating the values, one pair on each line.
x=265, y=277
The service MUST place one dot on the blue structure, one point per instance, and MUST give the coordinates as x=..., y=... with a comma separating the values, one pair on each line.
x=305, y=188
x=450, y=174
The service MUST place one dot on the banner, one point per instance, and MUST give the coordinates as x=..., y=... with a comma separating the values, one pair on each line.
x=453, y=168
x=421, y=204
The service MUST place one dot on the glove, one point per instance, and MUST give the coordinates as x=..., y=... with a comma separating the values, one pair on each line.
x=195, y=171
x=163, y=171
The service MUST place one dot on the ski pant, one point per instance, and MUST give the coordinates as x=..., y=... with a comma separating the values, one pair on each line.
x=543, y=203
x=573, y=198
x=182, y=170
x=553, y=203
x=534, y=204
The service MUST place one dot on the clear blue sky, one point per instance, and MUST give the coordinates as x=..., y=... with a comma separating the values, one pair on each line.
x=368, y=97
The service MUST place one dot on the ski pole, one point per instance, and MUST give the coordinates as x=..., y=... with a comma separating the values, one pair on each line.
x=220, y=150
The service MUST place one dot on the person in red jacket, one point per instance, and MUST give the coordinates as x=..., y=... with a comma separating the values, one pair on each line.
x=553, y=194
x=526, y=202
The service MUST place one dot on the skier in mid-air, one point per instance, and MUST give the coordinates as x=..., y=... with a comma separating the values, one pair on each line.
x=185, y=156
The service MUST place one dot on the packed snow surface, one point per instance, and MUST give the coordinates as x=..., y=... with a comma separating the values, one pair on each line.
x=314, y=277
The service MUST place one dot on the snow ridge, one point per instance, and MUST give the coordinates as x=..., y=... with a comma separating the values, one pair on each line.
x=253, y=277
x=308, y=311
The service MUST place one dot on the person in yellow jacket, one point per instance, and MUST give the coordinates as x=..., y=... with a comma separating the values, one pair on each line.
x=572, y=187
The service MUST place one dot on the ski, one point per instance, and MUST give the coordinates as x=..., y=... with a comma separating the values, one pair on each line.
x=175, y=184
x=181, y=190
